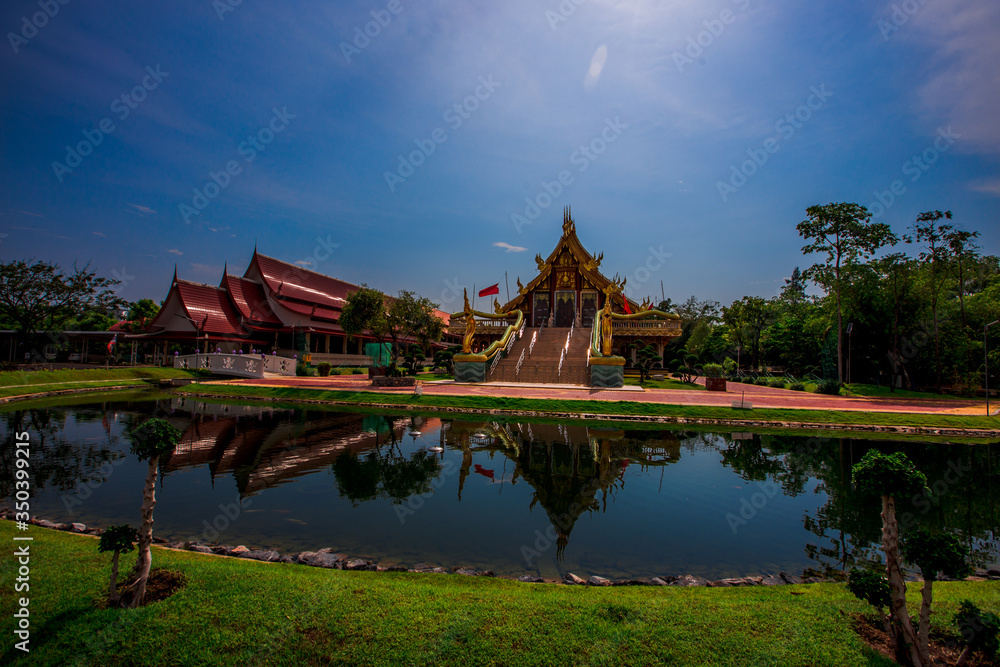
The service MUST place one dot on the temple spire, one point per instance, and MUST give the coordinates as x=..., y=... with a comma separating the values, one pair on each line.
x=175, y=274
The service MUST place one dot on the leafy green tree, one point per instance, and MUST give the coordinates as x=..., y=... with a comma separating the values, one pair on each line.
x=891, y=476
x=747, y=319
x=871, y=587
x=444, y=360
x=413, y=358
x=407, y=317
x=645, y=359
x=151, y=440
x=934, y=554
x=117, y=540
x=846, y=234
x=928, y=231
x=39, y=298
x=980, y=631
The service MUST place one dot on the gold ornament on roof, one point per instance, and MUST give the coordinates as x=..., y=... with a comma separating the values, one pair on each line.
x=540, y=262
x=470, y=324
x=497, y=307
x=520, y=287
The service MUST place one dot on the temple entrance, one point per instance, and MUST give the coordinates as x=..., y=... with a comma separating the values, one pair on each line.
x=588, y=307
x=565, y=308
x=541, y=309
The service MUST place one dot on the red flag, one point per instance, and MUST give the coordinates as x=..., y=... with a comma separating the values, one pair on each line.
x=625, y=303
x=112, y=342
x=494, y=289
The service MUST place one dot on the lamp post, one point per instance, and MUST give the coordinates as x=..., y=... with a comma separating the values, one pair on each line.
x=986, y=365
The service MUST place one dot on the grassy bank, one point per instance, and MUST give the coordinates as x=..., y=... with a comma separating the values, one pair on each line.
x=23, y=383
x=243, y=612
x=624, y=408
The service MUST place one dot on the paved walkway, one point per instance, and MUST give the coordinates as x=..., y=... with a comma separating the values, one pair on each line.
x=761, y=397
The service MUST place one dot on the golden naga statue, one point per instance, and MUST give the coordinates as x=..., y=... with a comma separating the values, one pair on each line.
x=497, y=307
x=470, y=325
x=613, y=288
x=539, y=261
x=520, y=287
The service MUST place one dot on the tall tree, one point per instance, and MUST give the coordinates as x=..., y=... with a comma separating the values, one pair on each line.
x=407, y=317
x=747, y=319
x=896, y=271
x=963, y=252
x=39, y=298
x=846, y=234
x=926, y=230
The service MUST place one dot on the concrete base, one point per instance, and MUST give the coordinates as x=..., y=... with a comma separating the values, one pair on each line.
x=470, y=371
x=607, y=376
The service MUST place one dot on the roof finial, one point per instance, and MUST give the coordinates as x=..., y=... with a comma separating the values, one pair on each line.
x=175, y=274
x=225, y=269
x=567, y=220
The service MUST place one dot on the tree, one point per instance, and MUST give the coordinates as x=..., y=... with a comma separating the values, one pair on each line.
x=933, y=554
x=979, y=631
x=645, y=358
x=928, y=231
x=407, y=317
x=846, y=234
x=963, y=252
x=444, y=359
x=871, y=587
x=891, y=476
x=140, y=314
x=747, y=319
x=38, y=298
x=896, y=271
x=153, y=439
x=118, y=540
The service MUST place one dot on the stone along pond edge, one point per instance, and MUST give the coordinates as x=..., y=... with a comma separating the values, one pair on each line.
x=331, y=559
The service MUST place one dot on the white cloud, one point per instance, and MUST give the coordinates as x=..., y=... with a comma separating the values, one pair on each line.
x=175, y=251
x=145, y=210
x=597, y=62
x=508, y=247
x=990, y=187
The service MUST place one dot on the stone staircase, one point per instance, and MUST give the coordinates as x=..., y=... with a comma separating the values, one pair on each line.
x=543, y=365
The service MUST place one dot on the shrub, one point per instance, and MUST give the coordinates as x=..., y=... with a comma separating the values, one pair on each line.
x=979, y=630
x=777, y=383
x=324, y=368
x=830, y=387
x=359, y=371
x=761, y=381
x=713, y=370
x=302, y=370
x=797, y=386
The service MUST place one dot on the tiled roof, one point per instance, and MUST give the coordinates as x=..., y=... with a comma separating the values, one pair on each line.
x=312, y=311
x=289, y=281
x=200, y=301
x=249, y=299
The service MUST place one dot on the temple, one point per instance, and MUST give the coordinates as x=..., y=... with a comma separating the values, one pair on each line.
x=568, y=319
x=273, y=307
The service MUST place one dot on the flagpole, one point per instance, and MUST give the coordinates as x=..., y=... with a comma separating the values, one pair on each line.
x=474, y=293
x=507, y=285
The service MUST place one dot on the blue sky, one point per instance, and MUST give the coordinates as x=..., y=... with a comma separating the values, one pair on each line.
x=647, y=111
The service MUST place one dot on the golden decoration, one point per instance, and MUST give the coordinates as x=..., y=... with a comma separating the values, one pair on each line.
x=470, y=324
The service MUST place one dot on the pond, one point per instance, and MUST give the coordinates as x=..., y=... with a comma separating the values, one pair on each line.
x=514, y=497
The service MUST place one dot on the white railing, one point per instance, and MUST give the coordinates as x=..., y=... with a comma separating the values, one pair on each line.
x=520, y=360
x=562, y=358
x=531, y=345
x=240, y=365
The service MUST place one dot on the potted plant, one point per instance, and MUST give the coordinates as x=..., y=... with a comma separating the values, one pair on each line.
x=715, y=379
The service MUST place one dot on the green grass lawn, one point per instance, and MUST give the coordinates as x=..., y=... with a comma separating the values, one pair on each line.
x=884, y=392
x=539, y=407
x=20, y=383
x=243, y=612
x=665, y=383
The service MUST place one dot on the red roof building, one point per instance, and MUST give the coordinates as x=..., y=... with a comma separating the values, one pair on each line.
x=273, y=306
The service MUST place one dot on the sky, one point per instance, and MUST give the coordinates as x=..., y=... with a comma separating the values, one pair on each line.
x=432, y=146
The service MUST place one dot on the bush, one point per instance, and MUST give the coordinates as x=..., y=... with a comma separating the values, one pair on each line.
x=979, y=629
x=830, y=387
x=302, y=370
x=797, y=386
x=359, y=371
x=777, y=383
x=324, y=368
x=713, y=370
x=761, y=381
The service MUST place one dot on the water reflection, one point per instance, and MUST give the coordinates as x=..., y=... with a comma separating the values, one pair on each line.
x=617, y=502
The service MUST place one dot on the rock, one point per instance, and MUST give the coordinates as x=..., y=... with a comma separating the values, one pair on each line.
x=94, y=531
x=261, y=554
x=790, y=578
x=993, y=572
x=720, y=583
x=689, y=580
x=175, y=545
x=658, y=581
x=328, y=550
x=467, y=571
x=486, y=573
x=356, y=564
x=530, y=579
x=78, y=527
x=813, y=580
x=287, y=559
x=236, y=551
x=980, y=573
x=223, y=549
x=772, y=580
x=43, y=523
x=425, y=570
x=598, y=581
x=419, y=567
x=316, y=559
x=398, y=568
x=200, y=548
x=636, y=581
x=573, y=580
x=156, y=540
